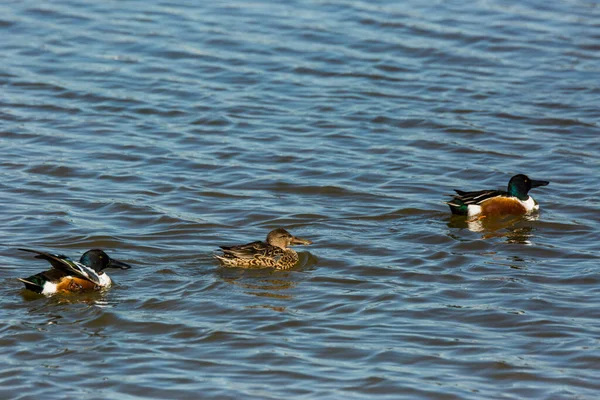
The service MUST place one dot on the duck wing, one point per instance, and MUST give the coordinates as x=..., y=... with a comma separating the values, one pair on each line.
x=476, y=197
x=66, y=265
x=251, y=250
x=462, y=200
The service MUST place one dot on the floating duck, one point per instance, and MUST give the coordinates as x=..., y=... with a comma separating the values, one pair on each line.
x=273, y=253
x=514, y=201
x=67, y=275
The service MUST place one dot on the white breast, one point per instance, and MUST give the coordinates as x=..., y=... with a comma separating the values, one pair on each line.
x=105, y=280
x=530, y=204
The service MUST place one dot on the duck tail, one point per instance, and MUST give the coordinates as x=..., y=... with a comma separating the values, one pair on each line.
x=225, y=261
x=457, y=206
x=33, y=286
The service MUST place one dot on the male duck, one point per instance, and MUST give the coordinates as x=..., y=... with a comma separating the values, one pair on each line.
x=274, y=253
x=67, y=275
x=514, y=201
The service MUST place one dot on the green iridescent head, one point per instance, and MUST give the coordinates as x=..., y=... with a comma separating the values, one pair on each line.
x=520, y=185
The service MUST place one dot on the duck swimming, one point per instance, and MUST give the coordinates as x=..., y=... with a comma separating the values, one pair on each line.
x=67, y=275
x=514, y=201
x=274, y=253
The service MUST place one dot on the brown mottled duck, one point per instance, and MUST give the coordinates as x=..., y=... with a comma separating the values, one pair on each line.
x=274, y=253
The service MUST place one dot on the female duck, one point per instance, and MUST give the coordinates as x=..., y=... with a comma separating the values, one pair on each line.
x=273, y=253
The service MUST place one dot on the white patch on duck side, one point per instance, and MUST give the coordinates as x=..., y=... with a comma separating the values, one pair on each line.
x=530, y=204
x=49, y=288
x=473, y=209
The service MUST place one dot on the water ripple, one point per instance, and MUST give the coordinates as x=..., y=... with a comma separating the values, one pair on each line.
x=162, y=132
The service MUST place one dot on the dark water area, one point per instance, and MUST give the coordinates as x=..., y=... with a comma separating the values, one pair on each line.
x=160, y=130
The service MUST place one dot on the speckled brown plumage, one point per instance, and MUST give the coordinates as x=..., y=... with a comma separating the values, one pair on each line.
x=274, y=253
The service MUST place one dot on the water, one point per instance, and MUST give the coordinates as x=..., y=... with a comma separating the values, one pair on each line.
x=159, y=131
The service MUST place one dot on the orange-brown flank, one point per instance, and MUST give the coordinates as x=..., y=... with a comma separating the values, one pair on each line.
x=72, y=284
x=502, y=206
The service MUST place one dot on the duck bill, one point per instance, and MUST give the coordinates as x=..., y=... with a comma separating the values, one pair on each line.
x=538, y=183
x=118, y=264
x=300, y=241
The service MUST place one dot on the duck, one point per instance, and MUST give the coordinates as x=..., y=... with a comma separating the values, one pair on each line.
x=272, y=253
x=515, y=201
x=68, y=276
